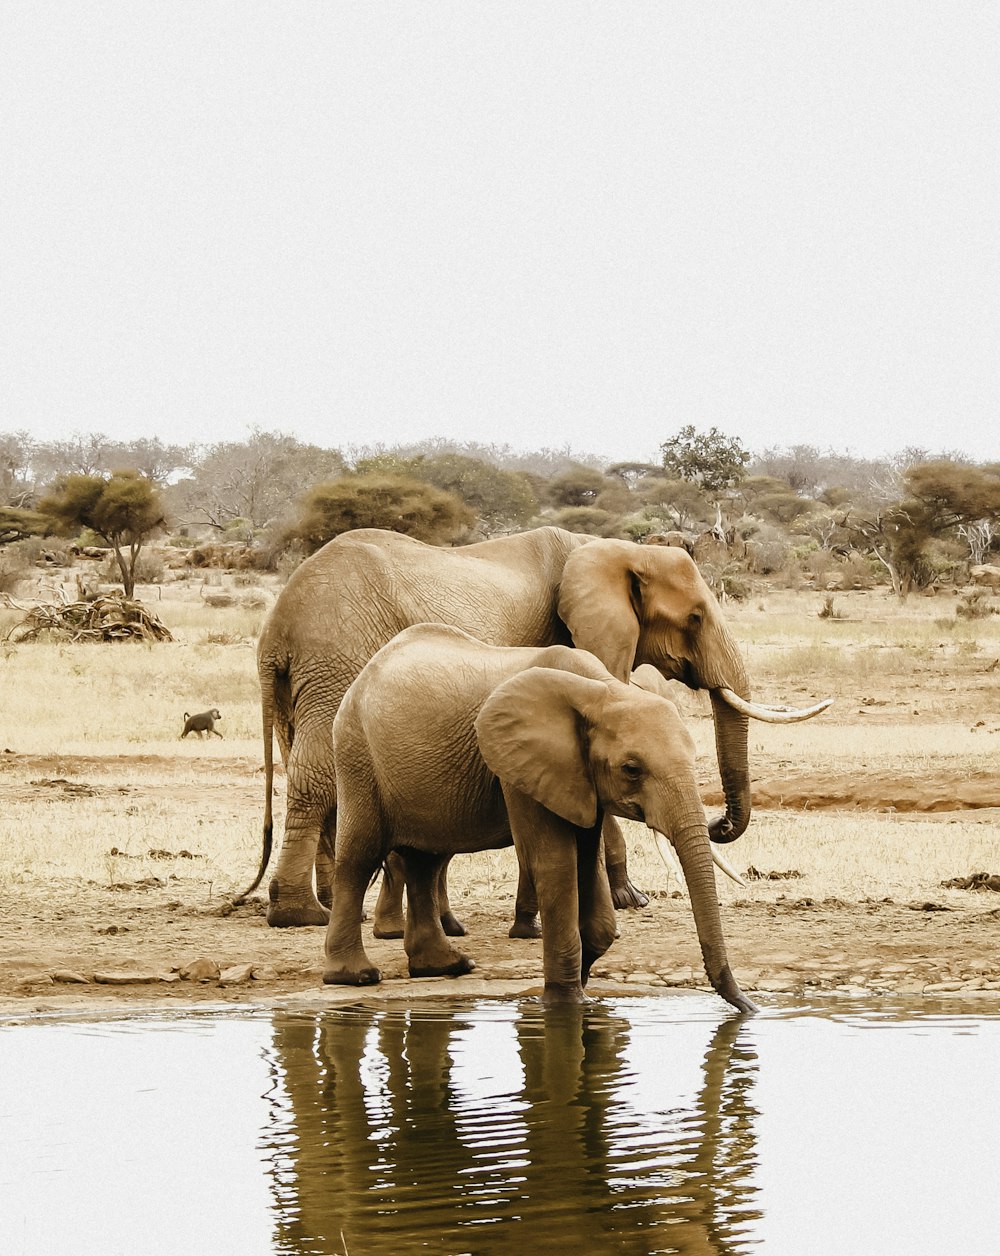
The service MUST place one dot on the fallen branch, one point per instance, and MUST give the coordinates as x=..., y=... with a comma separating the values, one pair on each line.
x=110, y=618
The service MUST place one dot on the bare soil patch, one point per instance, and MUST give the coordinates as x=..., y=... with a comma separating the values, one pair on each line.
x=117, y=857
x=74, y=943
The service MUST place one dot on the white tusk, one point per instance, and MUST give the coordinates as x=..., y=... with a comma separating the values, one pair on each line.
x=769, y=714
x=725, y=866
x=669, y=857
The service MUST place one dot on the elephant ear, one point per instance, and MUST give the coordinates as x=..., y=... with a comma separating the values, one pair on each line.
x=530, y=734
x=647, y=677
x=599, y=603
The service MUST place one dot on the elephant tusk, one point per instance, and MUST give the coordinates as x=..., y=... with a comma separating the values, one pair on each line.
x=769, y=714
x=669, y=857
x=725, y=866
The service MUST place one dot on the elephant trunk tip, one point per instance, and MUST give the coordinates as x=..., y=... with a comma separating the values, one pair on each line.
x=727, y=987
x=723, y=830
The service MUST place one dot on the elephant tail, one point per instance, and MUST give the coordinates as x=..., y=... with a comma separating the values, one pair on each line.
x=267, y=715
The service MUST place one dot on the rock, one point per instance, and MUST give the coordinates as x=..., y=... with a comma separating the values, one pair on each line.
x=942, y=987
x=236, y=975
x=201, y=969
x=134, y=978
x=67, y=977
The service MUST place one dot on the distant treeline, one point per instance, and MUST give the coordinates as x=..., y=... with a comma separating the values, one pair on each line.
x=916, y=518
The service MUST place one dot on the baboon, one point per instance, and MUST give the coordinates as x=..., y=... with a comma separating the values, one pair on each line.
x=202, y=723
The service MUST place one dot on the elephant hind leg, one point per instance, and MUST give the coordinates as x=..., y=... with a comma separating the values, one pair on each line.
x=358, y=856
x=428, y=950
x=312, y=800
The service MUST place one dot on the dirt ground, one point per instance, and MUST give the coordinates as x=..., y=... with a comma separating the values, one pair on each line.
x=913, y=742
x=88, y=946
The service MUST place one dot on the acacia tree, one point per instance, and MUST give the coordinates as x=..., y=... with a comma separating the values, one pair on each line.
x=394, y=502
x=123, y=508
x=942, y=497
x=18, y=525
x=503, y=500
x=711, y=459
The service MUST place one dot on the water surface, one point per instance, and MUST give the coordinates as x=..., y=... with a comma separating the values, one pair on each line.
x=634, y=1125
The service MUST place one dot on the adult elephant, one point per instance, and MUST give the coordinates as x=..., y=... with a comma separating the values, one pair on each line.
x=444, y=745
x=627, y=604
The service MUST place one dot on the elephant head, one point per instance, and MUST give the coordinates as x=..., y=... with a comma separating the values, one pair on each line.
x=637, y=604
x=579, y=746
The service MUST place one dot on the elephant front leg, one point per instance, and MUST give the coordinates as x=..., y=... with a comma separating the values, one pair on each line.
x=547, y=845
x=623, y=892
x=598, y=928
x=428, y=950
x=389, y=921
x=450, y=923
x=526, y=922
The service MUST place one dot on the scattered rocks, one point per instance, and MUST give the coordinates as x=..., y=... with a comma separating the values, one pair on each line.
x=201, y=969
x=134, y=978
x=236, y=975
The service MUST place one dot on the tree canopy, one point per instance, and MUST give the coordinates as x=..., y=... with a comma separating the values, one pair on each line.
x=712, y=459
x=503, y=500
x=123, y=509
x=395, y=502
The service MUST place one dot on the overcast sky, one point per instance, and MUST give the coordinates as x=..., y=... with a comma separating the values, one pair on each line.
x=542, y=223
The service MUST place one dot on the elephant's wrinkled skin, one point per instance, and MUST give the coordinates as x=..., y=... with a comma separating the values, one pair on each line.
x=628, y=604
x=445, y=745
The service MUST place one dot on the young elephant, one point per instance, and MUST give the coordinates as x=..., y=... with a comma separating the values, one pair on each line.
x=445, y=745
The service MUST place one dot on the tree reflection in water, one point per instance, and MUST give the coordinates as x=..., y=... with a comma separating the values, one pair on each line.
x=487, y=1127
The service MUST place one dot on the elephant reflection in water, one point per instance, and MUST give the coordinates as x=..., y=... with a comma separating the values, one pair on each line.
x=378, y=1139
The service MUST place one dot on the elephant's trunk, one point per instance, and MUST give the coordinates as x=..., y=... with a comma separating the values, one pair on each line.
x=734, y=769
x=690, y=840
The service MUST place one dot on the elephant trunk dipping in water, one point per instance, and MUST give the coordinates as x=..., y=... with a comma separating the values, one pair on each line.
x=445, y=745
x=627, y=604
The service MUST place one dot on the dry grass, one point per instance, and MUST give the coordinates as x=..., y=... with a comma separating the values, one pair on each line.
x=128, y=700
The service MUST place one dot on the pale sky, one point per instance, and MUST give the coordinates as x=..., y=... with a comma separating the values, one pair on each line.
x=541, y=223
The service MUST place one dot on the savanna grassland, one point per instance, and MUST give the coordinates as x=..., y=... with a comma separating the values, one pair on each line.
x=121, y=844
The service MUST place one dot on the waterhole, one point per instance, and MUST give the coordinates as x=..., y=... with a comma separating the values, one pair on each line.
x=633, y=1125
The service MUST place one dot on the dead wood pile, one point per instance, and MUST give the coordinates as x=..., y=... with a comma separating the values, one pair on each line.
x=113, y=617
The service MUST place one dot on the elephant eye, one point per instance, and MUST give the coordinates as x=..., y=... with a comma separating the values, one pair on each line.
x=632, y=770
x=694, y=619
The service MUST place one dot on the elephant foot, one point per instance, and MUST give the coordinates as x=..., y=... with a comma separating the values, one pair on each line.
x=388, y=927
x=289, y=914
x=623, y=893
x=452, y=926
x=457, y=966
x=525, y=926
x=557, y=992
x=368, y=976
